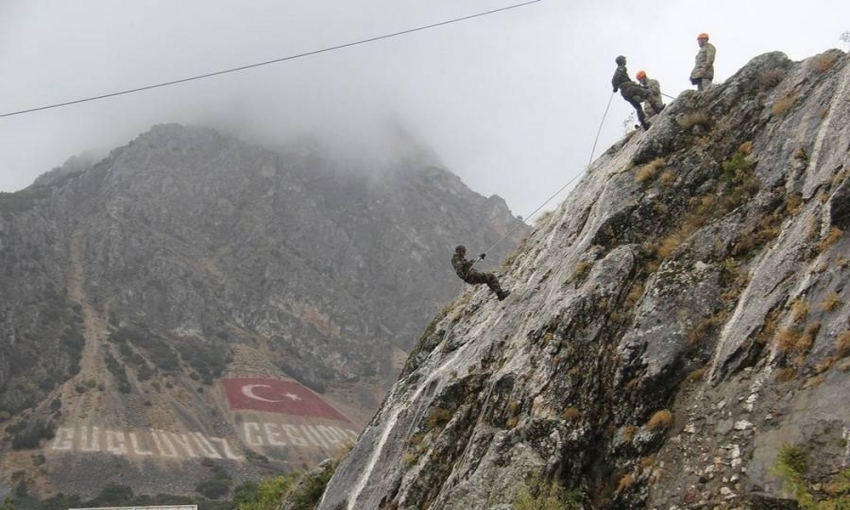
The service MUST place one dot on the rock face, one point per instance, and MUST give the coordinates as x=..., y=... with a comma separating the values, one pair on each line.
x=678, y=322
x=131, y=286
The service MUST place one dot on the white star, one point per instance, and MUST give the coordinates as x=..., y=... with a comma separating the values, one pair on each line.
x=293, y=396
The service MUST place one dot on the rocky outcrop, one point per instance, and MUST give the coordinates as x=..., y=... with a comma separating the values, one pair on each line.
x=678, y=323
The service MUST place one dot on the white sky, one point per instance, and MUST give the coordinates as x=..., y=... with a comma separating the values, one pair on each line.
x=511, y=102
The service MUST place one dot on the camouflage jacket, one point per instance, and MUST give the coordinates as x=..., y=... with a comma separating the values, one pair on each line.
x=653, y=86
x=461, y=265
x=621, y=77
x=704, y=62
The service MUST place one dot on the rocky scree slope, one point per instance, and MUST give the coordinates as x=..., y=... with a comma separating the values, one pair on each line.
x=679, y=321
x=127, y=284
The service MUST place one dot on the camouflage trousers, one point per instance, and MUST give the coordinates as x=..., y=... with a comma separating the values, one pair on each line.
x=477, y=278
x=635, y=94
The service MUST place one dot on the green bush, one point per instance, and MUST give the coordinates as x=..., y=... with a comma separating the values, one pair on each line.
x=538, y=494
x=791, y=468
x=30, y=435
x=61, y=501
x=113, y=494
x=307, y=493
x=118, y=372
x=264, y=496
x=208, y=359
x=158, y=352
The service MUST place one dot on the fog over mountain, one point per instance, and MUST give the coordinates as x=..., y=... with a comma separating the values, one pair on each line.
x=499, y=98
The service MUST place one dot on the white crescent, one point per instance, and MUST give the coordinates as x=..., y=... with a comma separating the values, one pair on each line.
x=248, y=391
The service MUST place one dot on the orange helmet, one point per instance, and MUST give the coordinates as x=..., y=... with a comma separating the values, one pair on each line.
x=640, y=75
x=702, y=36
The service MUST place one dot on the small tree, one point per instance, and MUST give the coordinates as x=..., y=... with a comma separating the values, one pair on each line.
x=845, y=37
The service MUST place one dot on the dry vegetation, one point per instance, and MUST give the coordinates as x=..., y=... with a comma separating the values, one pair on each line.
x=830, y=302
x=668, y=244
x=692, y=119
x=579, y=271
x=668, y=178
x=823, y=62
x=834, y=235
x=629, y=433
x=795, y=342
x=696, y=375
x=647, y=462
x=706, y=326
x=571, y=414
x=782, y=105
x=439, y=417
x=648, y=171
x=660, y=420
x=793, y=203
x=842, y=344
x=786, y=374
x=770, y=78
x=625, y=482
x=799, y=311
x=635, y=292
x=746, y=148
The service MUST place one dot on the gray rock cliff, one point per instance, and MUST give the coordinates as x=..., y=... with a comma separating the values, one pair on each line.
x=678, y=323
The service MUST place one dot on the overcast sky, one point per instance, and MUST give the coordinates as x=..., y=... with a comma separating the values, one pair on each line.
x=511, y=102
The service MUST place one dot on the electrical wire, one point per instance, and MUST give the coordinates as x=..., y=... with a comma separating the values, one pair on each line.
x=273, y=61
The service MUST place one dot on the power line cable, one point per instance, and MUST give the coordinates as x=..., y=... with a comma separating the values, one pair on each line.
x=273, y=61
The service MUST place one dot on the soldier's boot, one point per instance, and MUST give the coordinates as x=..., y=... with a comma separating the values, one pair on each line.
x=503, y=294
x=493, y=283
x=642, y=118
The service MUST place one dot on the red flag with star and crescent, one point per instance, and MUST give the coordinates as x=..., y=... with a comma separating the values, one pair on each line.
x=277, y=396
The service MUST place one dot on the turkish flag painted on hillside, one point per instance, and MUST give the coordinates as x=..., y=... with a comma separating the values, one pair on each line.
x=277, y=396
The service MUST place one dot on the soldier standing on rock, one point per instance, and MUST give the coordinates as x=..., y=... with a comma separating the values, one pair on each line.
x=464, y=270
x=703, y=72
x=655, y=104
x=633, y=93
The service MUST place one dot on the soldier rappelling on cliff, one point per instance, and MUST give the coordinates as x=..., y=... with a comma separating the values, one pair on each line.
x=633, y=93
x=463, y=269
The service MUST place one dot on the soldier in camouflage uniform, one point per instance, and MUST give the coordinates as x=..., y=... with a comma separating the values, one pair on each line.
x=703, y=72
x=655, y=104
x=464, y=270
x=633, y=93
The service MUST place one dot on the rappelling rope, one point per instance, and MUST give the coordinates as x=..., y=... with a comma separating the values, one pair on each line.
x=592, y=151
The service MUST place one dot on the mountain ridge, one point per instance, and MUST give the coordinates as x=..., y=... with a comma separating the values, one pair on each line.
x=185, y=259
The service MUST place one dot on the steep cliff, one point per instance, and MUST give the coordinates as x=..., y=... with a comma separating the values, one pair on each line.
x=147, y=296
x=677, y=334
